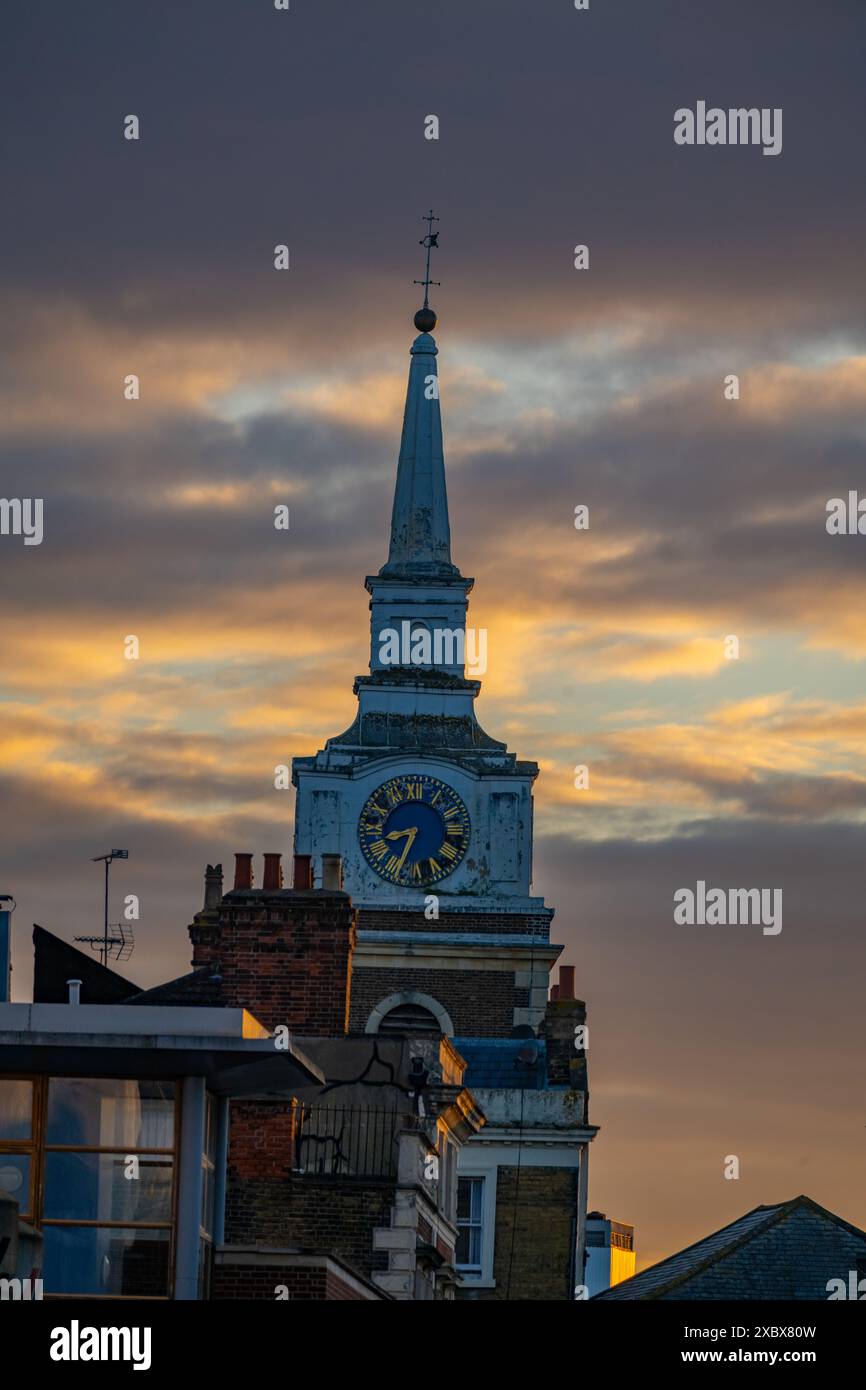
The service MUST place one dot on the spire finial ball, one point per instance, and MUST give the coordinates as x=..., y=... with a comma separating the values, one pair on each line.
x=425, y=320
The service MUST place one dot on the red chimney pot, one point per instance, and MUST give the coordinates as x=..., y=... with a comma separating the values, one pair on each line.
x=302, y=878
x=243, y=871
x=273, y=872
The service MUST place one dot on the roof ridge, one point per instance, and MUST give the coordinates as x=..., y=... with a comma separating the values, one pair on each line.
x=769, y=1216
x=773, y=1214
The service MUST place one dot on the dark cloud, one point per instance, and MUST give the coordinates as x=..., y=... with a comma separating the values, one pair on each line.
x=708, y=1041
x=307, y=127
x=727, y=512
x=113, y=537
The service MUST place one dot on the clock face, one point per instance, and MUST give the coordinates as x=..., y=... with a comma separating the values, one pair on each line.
x=414, y=830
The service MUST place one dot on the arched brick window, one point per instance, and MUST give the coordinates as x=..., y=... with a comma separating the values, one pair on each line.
x=409, y=1012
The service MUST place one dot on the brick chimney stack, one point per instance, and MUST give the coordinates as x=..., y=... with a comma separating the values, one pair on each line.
x=285, y=954
x=566, y=1062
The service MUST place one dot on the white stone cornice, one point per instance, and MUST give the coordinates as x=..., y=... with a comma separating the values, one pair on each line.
x=414, y=950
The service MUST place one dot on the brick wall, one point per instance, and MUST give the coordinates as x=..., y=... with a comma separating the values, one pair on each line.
x=285, y=956
x=336, y=1214
x=481, y=1003
x=267, y=1204
x=262, y=1141
x=566, y=1065
x=539, y=1252
x=503, y=923
x=307, y=1283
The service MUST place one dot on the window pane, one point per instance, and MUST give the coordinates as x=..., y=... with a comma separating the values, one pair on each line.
x=105, y=1260
x=469, y=1247
x=469, y=1199
x=469, y=1230
x=16, y=1109
x=95, y=1187
x=468, y=1251
x=108, y=1113
x=15, y=1179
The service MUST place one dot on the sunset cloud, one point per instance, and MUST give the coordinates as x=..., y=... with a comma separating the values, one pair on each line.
x=603, y=389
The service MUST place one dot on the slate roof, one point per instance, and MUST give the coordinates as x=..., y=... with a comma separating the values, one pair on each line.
x=199, y=989
x=671, y=1277
x=494, y=1062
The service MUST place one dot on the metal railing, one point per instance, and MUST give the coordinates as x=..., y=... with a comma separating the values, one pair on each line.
x=333, y=1141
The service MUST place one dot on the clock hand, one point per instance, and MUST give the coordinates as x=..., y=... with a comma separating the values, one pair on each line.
x=397, y=835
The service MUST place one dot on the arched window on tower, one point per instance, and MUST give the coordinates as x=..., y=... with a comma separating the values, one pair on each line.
x=409, y=1012
x=410, y=1018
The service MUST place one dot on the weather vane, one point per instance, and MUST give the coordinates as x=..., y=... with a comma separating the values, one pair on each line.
x=425, y=319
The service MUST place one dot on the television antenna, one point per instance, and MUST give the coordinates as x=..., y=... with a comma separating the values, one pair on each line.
x=121, y=945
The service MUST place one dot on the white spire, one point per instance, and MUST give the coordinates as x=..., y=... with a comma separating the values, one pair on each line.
x=420, y=532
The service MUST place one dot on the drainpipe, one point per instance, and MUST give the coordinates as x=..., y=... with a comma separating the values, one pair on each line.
x=582, y=1198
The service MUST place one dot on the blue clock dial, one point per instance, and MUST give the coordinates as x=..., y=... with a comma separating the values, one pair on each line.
x=414, y=830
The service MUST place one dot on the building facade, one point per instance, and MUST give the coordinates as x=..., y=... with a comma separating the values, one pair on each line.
x=433, y=821
x=169, y=1144
x=610, y=1252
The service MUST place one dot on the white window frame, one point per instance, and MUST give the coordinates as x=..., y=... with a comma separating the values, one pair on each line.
x=470, y=1275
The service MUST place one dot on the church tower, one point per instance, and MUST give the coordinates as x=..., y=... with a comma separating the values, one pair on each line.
x=433, y=821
